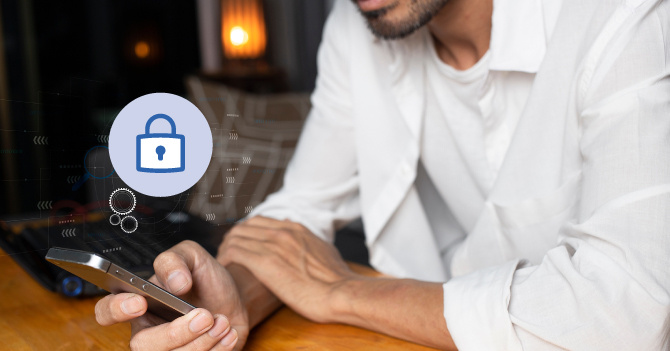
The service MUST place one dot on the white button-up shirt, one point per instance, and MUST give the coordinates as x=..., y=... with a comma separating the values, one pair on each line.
x=565, y=245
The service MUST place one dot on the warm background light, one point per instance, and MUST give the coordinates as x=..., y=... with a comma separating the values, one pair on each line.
x=142, y=49
x=238, y=36
x=242, y=29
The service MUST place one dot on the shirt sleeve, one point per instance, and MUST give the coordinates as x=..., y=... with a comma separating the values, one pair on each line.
x=320, y=188
x=606, y=286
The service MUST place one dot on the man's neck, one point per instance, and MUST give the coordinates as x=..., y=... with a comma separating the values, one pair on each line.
x=462, y=32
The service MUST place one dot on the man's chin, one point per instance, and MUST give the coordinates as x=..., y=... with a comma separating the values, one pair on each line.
x=388, y=31
x=393, y=19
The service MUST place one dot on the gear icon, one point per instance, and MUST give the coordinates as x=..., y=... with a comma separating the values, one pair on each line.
x=122, y=201
x=114, y=219
x=129, y=224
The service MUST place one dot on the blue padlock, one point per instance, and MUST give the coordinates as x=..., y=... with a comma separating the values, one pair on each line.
x=161, y=152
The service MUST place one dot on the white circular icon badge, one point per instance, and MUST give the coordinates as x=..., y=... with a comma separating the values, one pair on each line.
x=160, y=144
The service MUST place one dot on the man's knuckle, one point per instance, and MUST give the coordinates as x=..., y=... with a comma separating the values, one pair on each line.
x=238, y=228
x=285, y=237
x=201, y=343
x=225, y=248
x=236, y=231
x=189, y=244
x=137, y=341
x=104, y=310
x=234, y=253
x=239, y=243
x=134, y=345
x=254, y=219
x=281, y=233
x=230, y=250
x=273, y=260
x=295, y=226
x=167, y=257
x=229, y=234
x=173, y=336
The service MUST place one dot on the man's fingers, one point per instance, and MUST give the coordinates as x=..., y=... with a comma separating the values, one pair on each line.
x=264, y=241
x=261, y=233
x=269, y=223
x=236, y=234
x=173, y=272
x=178, y=333
x=246, y=249
x=174, y=266
x=117, y=308
x=259, y=221
x=219, y=338
x=145, y=321
x=248, y=253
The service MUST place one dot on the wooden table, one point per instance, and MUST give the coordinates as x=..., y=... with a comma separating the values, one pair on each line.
x=32, y=318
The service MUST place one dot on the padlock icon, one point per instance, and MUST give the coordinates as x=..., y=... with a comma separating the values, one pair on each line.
x=161, y=152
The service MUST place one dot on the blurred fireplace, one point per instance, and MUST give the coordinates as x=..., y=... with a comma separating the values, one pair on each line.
x=242, y=40
x=243, y=29
x=271, y=41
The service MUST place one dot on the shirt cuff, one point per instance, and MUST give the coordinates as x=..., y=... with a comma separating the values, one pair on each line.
x=475, y=309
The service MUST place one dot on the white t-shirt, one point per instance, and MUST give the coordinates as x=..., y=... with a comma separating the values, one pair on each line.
x=486, y=117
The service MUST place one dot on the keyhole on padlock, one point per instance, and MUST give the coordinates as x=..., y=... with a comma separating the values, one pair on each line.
x=160, y=150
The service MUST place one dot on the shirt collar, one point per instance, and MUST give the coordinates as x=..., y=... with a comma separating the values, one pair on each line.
x=519, y=34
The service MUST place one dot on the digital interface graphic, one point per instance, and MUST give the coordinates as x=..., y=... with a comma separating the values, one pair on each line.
x=122, y=201
x=73, y=194
x=161, y=152
x=201, y=140
x=160, y=144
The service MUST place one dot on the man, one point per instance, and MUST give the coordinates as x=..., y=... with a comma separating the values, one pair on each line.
x=509, y=161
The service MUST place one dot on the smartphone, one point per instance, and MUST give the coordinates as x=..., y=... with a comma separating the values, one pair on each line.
x=107, y=275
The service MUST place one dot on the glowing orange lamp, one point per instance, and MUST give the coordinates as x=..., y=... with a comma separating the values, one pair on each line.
x=242, y=29
x=142, y=49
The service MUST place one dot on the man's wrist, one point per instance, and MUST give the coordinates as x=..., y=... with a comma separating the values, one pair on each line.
x=258, y=302
x=344, y=299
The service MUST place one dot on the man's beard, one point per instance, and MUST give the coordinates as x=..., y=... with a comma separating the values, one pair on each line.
x=420, y=13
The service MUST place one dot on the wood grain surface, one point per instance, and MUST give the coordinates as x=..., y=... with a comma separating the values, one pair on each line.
x=32, y=318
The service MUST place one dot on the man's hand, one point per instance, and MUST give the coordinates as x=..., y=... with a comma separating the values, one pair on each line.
x=187, y=271
x=299, y=268
x=309, y=275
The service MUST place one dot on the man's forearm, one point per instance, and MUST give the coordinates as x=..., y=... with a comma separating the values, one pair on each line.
x=310, y=276
x=257, y=299
x=403, y=308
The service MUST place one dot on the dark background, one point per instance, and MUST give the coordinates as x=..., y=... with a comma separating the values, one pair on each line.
x=69, y=68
